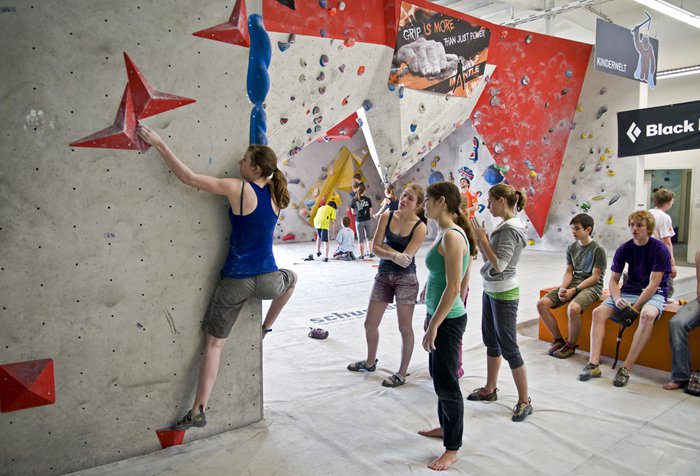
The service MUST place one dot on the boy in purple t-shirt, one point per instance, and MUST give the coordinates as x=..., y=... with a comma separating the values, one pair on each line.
x=648, y=264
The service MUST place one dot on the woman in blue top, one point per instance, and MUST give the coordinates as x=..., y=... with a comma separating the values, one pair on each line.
x=448, y=262
x=250, y=270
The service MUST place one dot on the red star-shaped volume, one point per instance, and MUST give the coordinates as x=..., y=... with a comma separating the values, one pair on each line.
x=147, y=101
x=121, y=134
x=234, y=31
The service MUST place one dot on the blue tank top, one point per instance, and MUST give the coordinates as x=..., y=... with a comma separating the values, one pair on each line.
x=399, y=243
x=250, y=245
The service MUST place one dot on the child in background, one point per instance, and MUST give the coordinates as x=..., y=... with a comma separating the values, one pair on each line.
x=663, y=230
x=346, y=242
x=322, y=223
x=390, y=201
x=362, y=207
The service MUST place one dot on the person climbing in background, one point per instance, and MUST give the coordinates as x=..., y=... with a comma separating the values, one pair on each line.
x=398, y=238
x=250, y=270
x=685, y=320
x=362, y=207
x=346, y=242
x=472, y=204
x=390, y=201
x=581, y=286
x=663, y=230
x=448, y=262
x=501, y=253
x=322, y=222
x=646, y=64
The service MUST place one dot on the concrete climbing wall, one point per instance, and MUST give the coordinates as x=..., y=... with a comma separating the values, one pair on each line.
x=592, y=178
x=107, y=261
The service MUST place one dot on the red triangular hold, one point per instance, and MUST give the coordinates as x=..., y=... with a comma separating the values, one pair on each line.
x=169, y=437
x=234, y=31
x=147, y=101
x=26, y=385
x=121, y=134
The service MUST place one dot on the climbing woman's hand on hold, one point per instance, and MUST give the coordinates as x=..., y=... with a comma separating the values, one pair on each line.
x=148, y=135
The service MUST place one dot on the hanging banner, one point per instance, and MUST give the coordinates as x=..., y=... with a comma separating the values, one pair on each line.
x=659, y=129
x=631, y=53
x=437, y=52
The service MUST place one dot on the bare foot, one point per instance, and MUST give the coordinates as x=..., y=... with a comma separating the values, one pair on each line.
x=432, y=433
x=674, y=385
x=444, y=462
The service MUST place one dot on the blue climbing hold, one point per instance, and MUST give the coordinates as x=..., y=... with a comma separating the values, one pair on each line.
x=436, y=177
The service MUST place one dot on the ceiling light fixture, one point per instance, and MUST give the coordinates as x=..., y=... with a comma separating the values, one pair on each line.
x=672, y=11
x=676, y=72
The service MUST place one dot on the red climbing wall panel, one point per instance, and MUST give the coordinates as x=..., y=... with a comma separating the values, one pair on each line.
x=369, y=21
x=526, y=112
x=26, y=385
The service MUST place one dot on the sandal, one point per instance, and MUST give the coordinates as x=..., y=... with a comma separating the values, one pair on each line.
x=362, y=366
x=318, y=333
x=392, y=381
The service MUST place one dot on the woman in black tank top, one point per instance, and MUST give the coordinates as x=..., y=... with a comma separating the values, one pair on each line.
x=397, y=239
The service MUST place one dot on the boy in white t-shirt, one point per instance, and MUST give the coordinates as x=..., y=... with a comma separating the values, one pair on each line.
x=663, y=201
x=346, y=242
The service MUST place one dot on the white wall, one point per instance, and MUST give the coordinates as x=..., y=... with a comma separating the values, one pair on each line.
x=674, y=91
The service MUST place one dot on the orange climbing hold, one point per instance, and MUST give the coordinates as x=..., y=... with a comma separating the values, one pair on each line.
x=168, y=437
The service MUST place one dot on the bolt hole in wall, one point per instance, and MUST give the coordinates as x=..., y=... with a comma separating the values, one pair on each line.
x=679, y=181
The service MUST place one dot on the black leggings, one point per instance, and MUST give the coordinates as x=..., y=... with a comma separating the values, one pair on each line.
x=443, y=364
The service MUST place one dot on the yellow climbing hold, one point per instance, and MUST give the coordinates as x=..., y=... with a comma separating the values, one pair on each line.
x=584, y=136
x=603, y=158
x=579, y=108
x=533, y=174
x=285, y=162
x=598, y=197
x=611, y=220
x=295, y=206
x=611, y=173
x=608, y=150
x=531, y=242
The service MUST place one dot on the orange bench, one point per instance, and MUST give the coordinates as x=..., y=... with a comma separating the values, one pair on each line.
x=657, y=352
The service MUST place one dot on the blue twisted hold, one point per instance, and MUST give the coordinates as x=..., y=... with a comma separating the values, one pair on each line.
x=258, y=84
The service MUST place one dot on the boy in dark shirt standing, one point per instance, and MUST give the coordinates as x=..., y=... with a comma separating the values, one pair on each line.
x=362, y=207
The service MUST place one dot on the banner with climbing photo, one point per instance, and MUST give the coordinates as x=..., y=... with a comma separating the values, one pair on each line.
x=437, y=52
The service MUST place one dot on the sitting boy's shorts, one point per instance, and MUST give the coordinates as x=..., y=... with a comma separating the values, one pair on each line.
x=657, y=300
x=585, y=298
x=231, y=294
x=322, y=234
x=402, y=285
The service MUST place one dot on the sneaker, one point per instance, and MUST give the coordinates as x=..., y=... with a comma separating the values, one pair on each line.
x=590, y=370
x=521, y=410
x=565, y=352
x=371, y=255
x=392, y=381
x=325, y=260
x=621, y=377
x=361, y=366
x=318, y=253
x=479, y=394
x=556, y=345
x=189, y=421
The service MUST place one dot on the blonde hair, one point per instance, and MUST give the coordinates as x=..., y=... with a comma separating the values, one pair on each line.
x=514, y=198
x=643, y=216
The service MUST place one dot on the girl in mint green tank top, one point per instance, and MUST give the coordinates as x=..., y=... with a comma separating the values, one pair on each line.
x=448, y=262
